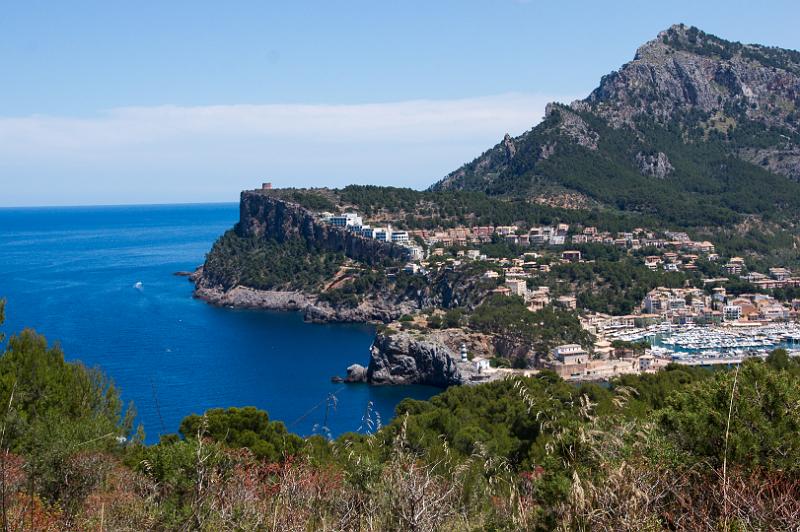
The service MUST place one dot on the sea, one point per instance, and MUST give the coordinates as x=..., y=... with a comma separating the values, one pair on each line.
x=100, y=281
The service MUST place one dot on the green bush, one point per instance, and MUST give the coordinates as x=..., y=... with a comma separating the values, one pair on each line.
x=435, y=321
x=51, y=409
x=760, y=427
x=244, y=427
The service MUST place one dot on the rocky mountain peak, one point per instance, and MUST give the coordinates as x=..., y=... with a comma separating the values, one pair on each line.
x=685, y=70
x=656, y=119
x=659, y=47
x=511, y=148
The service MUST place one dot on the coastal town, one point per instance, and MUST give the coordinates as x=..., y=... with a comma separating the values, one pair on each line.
x=526, y=266
x=702, y=324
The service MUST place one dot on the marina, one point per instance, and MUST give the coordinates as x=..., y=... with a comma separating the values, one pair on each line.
x=712, y=345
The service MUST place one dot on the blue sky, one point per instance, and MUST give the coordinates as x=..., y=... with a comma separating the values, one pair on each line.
x=121, y=102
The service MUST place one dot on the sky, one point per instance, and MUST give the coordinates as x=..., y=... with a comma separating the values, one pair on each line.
x=113, y=102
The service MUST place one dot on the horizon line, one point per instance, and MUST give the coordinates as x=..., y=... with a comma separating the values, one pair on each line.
x=85, y=205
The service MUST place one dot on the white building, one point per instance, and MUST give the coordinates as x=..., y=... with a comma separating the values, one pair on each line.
x=415, y=253
x=571, y=354
x=411, y=267
x=473, y=254
x=383, y=234
x=481, y=364
x=399, y=237
x=347, y=219
x=518, y=287
x=774, y=312
x=780, y=274
x=732, y=312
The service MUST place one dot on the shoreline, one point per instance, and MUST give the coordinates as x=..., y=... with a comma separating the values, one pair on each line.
x=396, y=359
x=371, y=311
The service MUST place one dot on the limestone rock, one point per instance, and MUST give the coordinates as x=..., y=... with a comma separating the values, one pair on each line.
x=573, y=126
x=401, y=359
x=511, y=148
x=654, y=165
x=356, y=373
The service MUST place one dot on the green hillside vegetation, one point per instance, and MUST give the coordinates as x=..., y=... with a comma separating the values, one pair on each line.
x=366, y=283
x=266, y=264
x=708, y=208
x=708, y=187
x=461, y=287
x=611, y=286
x=244, y=427
x=509, y=318
x=416, y=209
x=537, y=443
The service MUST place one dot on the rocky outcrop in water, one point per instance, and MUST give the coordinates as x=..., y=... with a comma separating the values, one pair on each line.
x=430, y=358
x=244, y=297
x=402, y=359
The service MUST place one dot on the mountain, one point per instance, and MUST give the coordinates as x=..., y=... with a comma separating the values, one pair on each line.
x=696, y=130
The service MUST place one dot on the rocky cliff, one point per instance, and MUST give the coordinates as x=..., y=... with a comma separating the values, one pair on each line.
x=263, y=218
x=263, y=215
x=686, y=70
x=378, y=308
x=243, y=271
x=402, y=359
x=432, y=359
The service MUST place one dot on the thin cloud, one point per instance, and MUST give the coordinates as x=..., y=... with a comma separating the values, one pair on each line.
x=414, y=142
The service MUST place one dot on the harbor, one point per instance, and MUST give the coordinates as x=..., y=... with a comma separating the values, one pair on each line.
x=713, y=345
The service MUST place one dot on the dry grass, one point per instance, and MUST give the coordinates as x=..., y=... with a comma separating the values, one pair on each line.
x=614, y=482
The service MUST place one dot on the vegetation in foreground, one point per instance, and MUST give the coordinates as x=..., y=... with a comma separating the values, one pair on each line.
x=683, y=449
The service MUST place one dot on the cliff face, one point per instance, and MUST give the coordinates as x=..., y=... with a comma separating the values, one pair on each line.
x=432, y=359
x=262, y=215
x=401, y=359
x=267, y=218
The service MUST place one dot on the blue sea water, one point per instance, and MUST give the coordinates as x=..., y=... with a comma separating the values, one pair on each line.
x=73, y=274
